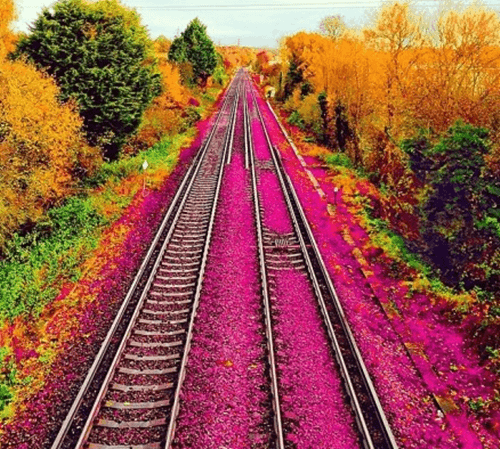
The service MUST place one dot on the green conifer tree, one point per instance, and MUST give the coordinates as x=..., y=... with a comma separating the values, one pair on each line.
x=195, y=47
x=101, y=56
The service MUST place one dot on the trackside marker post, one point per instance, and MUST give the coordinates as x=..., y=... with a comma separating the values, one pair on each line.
x=144, y=166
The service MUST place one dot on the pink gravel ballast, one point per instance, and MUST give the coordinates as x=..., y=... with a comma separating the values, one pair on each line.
x=225, y=396
x=313, y=402
x=273, y=204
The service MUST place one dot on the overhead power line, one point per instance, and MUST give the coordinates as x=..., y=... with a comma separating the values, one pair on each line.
x=279, y=6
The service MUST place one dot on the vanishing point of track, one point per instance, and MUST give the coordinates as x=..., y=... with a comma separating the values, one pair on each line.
x=133, y=388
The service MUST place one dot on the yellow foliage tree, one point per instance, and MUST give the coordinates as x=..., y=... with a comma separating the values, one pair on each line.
x=333, y=27
x=465, y=67
x=235, y=57
x=394, y=78
x=396, y=35
x=41, y=149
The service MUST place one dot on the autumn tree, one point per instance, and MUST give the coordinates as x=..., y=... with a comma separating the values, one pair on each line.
x=332, y=26
x=466, y=56
x=194, y=46
x=166, y=114
x=235, y=56
x=266, y=64
x=295, y=51
x=101, y=56
x=396, y=32
x=42, y=150
x=162, y=45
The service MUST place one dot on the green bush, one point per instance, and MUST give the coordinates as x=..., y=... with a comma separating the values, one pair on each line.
x=338, y=159
x=296, y=120
x=34, y=262
x=310, y=112
x=460, y=218
x=191, y=116
x=220, y=76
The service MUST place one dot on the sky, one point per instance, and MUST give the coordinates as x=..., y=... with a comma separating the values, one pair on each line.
x=254, y=23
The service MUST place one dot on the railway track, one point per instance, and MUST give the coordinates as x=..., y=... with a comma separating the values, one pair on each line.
x=300, y=250
x=131, y=396
x=138, y=394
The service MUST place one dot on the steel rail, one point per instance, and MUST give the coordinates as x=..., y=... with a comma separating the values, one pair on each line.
x=182, y=371
x=247, y=126
x=233, y=126
x=278, y=425
x=174, y=207
x=367, y=440
x=304, y=232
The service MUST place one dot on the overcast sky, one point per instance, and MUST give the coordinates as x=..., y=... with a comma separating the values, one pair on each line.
x=256, y=23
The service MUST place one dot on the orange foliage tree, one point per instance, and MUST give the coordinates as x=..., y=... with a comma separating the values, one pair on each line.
x=42, y=153
x=166, y=114
x=234, y=57
x=267, y=64
x=461, y=71
x=396, y=37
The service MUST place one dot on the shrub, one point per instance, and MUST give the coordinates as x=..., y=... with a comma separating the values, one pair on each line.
x=55, y=247
x=338, y=159
x=220, y=76
x=460, y=219
x=310, y=113
x=296, y=120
